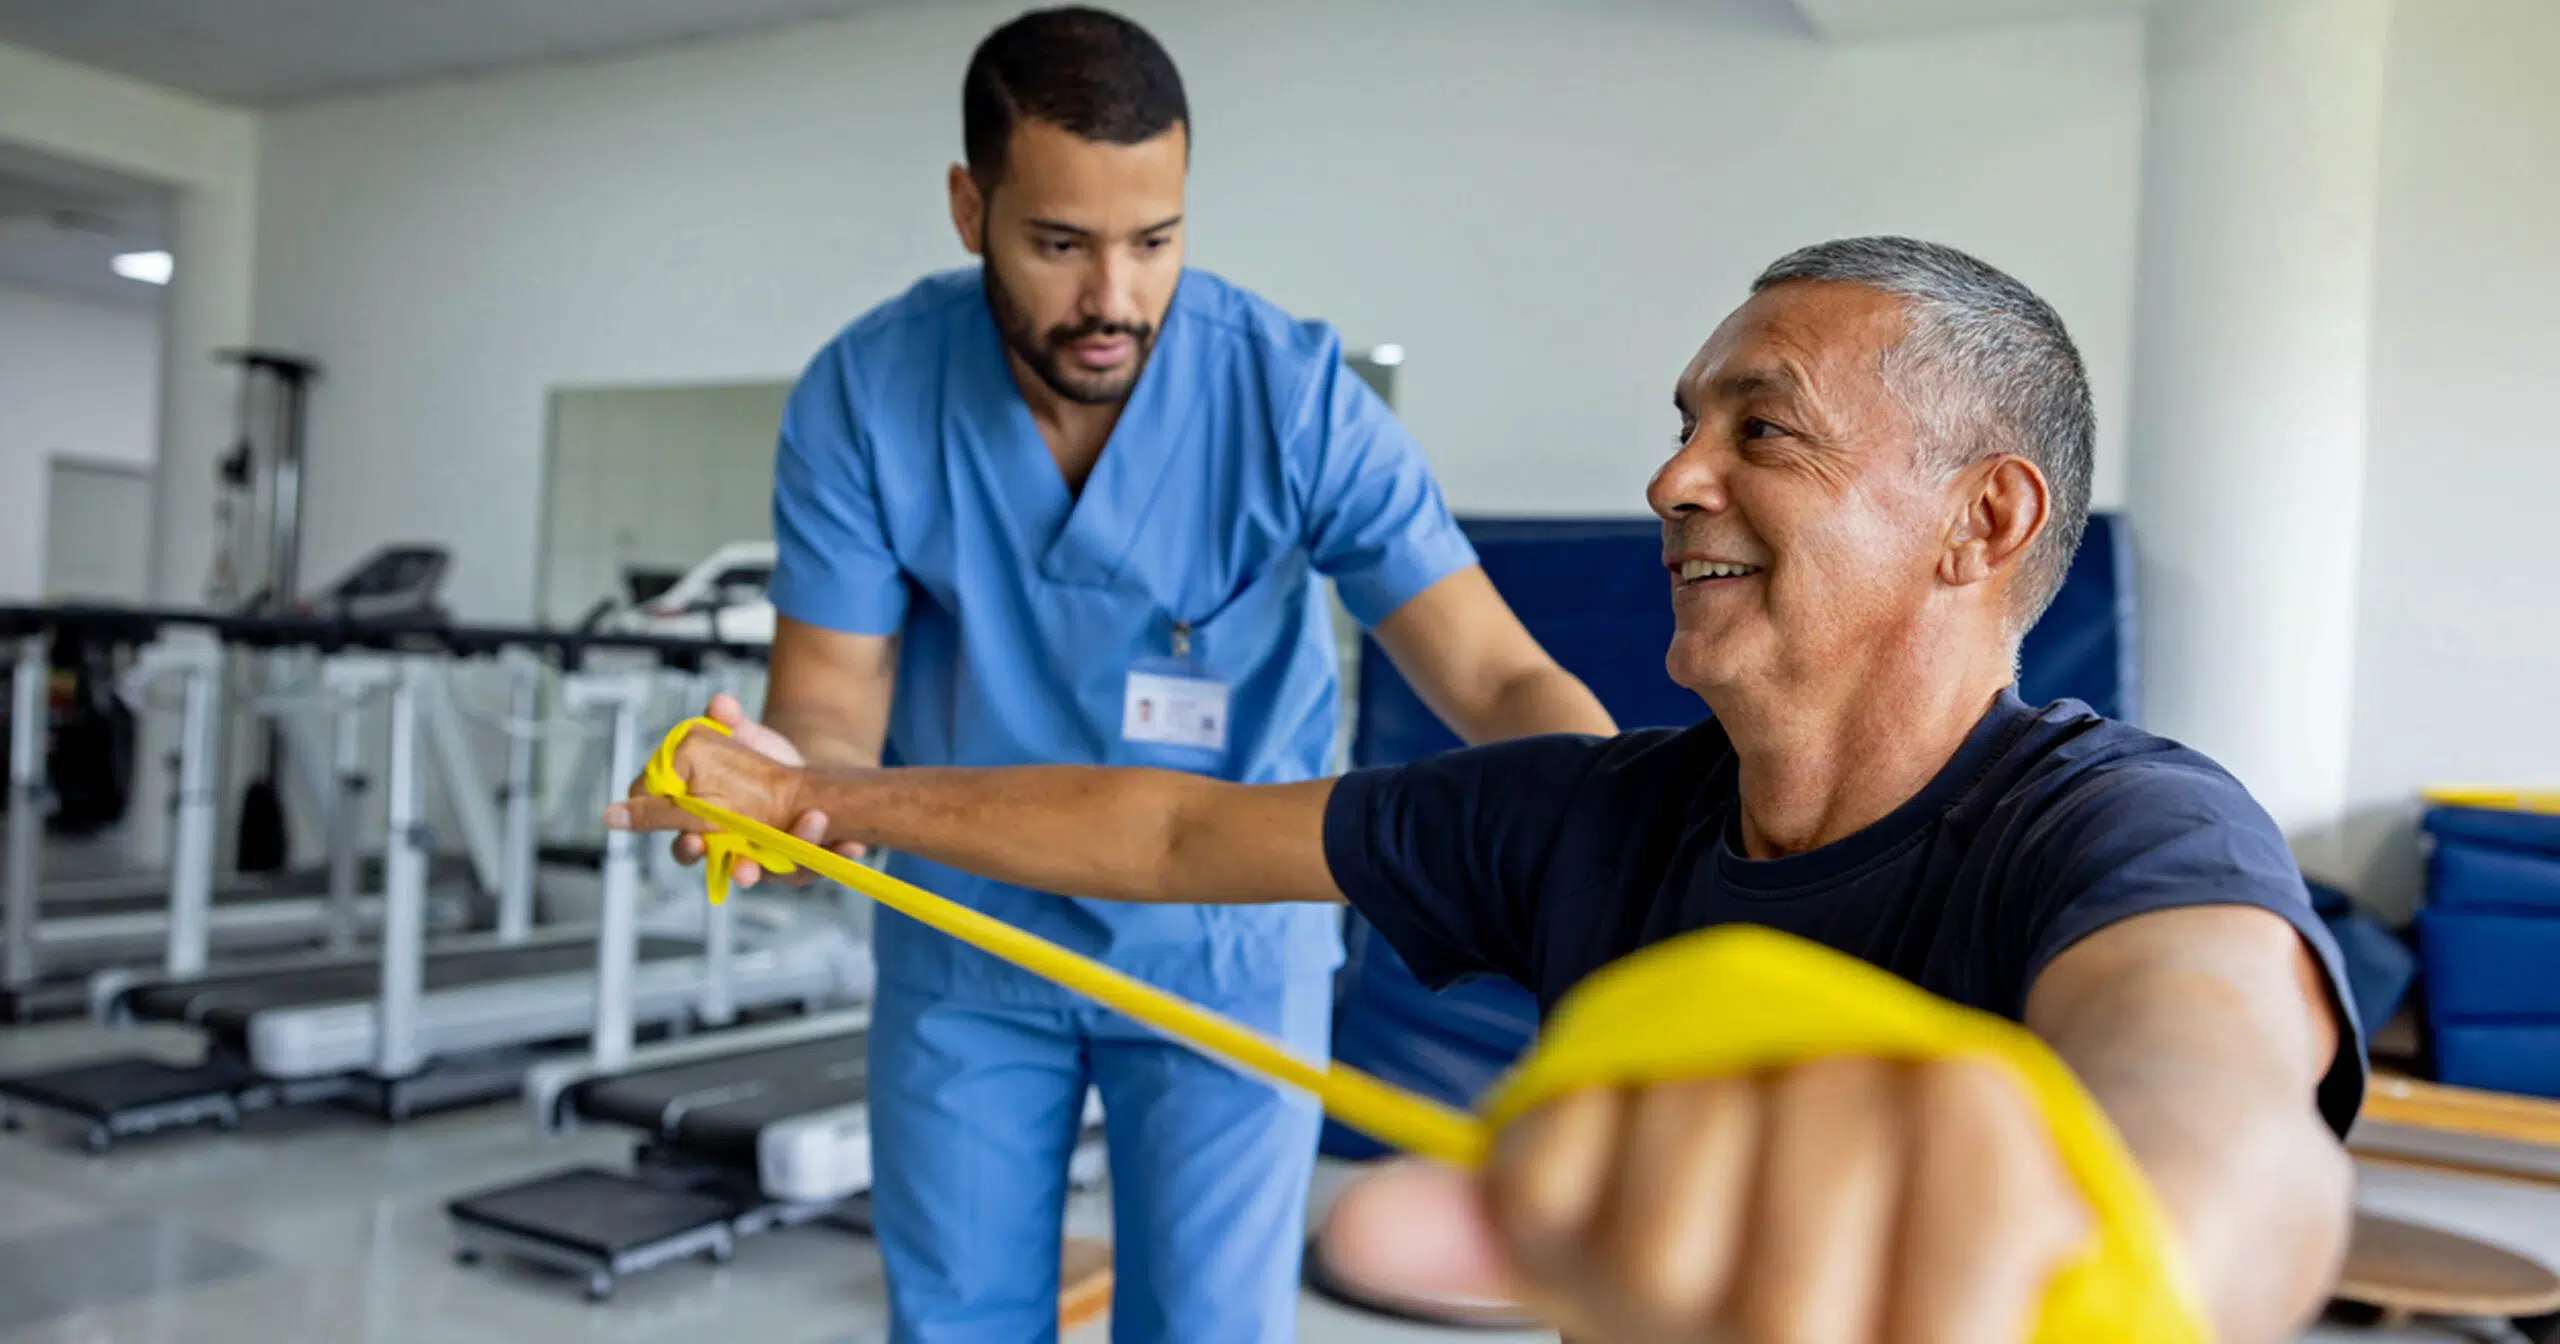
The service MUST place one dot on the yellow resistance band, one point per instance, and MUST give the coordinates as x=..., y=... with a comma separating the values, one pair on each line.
x=1731, y=1000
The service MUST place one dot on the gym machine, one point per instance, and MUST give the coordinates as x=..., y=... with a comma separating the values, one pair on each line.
x=422, y=1026
x=54, y=935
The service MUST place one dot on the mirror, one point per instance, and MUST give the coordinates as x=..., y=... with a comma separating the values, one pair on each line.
x=642, y=484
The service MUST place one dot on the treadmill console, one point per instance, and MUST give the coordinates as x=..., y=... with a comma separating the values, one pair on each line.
x=394, y=581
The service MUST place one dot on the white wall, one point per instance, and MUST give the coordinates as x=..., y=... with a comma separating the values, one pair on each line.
x=209, y=156
x=1547, y=203
x=76, y=380
x=2457, y=665
x=2250, y=359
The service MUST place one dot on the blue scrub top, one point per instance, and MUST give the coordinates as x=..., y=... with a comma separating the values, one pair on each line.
x=914, y=495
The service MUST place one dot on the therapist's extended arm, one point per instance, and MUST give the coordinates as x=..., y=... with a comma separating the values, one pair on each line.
x=1110, y=834
x=1466, y=654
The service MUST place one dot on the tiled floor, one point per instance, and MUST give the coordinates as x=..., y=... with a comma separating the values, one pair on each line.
x=322, y=1225
x=328, y=1226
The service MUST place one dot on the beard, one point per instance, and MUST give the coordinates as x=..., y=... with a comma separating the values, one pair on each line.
x=1046, y=352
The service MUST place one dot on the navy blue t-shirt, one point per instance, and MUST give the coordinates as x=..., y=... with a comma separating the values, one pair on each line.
x=1546, y=858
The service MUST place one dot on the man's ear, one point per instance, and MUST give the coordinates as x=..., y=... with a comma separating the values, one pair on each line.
x=2001, y=503
x=968, y=210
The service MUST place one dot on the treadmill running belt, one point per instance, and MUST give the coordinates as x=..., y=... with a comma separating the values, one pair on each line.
x=442, y=871
x=716, y=1107
x=150, y=902
x=227, y=1003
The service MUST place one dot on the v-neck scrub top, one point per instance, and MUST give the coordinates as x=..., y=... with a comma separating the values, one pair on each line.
x=914, y=496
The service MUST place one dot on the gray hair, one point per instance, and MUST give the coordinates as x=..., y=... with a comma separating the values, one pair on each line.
x=1985, y=367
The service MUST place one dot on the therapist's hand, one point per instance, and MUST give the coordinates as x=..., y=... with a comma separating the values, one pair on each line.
x=753, y=772
x=1847, y=1199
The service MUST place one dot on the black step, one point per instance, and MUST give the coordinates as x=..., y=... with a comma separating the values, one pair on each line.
x=135, y=1095
x=606, y=1214
x=596, y=1223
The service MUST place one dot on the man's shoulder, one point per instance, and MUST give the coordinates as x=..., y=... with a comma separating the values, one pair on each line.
x=1234, y=320
x=889, y=329
x=2071, y=764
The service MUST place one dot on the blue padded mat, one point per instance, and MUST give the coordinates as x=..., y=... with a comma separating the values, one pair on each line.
x=1593, y=593
x=2083, y=646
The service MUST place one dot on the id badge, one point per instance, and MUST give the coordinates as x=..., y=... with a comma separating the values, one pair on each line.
x=1170, y=703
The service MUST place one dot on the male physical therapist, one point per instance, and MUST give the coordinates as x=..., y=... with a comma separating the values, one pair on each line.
x=1071, y=507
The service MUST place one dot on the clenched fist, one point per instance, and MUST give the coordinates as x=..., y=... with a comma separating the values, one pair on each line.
x=1839, y=1201
x=755, y=772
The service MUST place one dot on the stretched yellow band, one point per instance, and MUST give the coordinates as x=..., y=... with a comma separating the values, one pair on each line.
x=1730, y=1000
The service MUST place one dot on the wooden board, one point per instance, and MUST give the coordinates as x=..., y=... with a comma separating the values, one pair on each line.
x=1084, y=1282
x=2411, y=1104
x=2408, y=1269
x=2495, y=1162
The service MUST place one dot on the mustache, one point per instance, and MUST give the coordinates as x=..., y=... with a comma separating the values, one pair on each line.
x=1094, y=326
x=1678, y=538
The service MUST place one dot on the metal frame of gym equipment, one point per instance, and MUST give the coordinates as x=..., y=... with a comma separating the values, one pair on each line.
x=125, y=1096
x=599, y=1225
x=203, y=917
x=398, y=1050
x=811, y=1164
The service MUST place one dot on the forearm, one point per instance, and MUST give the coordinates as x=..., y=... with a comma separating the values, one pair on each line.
x=1546, y=699
x=828, y=738
x=1469, y=658
x=1106, y=834
x=828, y=693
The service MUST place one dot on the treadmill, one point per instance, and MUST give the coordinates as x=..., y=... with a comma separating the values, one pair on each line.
x=416, y=1027
x=739, y=1133
x=742, y=1132
x=54, y=936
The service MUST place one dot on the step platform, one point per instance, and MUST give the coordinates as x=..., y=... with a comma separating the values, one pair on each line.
x=132, y=1095
x=596, y=1224
x=2397, y=1272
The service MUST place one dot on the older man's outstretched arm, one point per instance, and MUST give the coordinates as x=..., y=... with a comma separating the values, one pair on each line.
x=2204, y=1032
x=1108, y=834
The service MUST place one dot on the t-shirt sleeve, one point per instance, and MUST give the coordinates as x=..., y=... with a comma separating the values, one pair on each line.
x=833, y=565
x=1377, y=525
x=1446, y=855
x=2169, y=834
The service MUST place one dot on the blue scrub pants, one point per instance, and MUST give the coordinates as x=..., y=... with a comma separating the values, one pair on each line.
x=974, y=1110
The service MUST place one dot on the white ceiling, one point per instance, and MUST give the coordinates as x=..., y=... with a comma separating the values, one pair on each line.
x=62, y=223
x=270, y=52
x=1867, y=20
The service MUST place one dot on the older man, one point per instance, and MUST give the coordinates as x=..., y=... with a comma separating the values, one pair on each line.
x=1882, y=470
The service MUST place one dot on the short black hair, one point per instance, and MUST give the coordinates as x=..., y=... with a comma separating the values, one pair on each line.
x=1086, y=71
